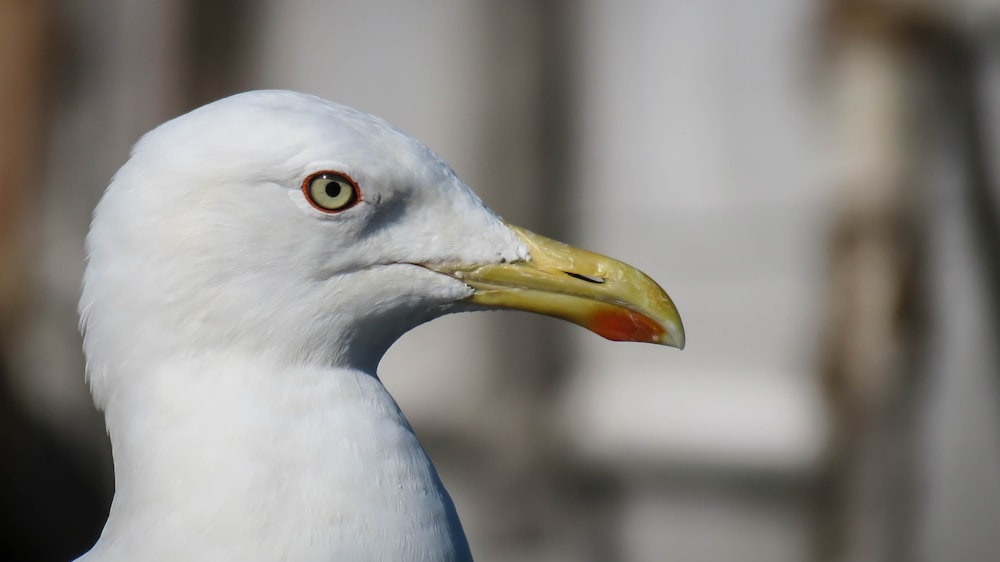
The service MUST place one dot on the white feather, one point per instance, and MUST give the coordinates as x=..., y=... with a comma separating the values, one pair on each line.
x=232, y=334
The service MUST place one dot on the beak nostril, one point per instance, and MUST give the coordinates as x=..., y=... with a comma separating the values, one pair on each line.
x=587, y=278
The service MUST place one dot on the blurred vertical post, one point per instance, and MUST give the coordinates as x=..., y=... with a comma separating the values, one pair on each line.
x=22, y=64
x=873, y=332
x=51, y=509
x=961, y=60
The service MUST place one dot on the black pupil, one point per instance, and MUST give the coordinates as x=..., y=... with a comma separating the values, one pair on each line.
x=333, y=189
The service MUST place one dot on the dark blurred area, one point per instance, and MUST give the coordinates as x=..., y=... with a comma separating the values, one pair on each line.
x=812, y=181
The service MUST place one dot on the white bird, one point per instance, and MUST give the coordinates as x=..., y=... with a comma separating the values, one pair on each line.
x=247, y=269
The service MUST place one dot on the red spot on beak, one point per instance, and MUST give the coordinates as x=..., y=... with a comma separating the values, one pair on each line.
x=625, y=325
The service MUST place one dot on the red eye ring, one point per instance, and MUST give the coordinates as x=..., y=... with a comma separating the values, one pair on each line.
x=330, y=191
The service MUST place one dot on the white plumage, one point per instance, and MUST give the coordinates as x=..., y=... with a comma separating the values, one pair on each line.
x=232, y=331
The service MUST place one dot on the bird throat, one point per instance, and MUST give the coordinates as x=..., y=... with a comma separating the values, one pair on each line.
x=238, y=451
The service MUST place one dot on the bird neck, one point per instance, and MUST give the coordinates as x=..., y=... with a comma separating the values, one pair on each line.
x=241, y=453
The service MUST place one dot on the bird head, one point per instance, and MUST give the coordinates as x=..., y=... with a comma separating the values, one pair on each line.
x=276, y=223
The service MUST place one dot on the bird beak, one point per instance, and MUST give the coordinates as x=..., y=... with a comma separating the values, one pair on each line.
x=602, y=294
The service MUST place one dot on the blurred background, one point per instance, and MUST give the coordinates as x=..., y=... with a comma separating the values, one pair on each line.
x=813, y=181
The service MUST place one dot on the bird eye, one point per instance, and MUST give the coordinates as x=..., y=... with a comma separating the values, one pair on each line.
x=331, y=192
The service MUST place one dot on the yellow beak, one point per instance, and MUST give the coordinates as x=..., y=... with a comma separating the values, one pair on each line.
x=602, y=294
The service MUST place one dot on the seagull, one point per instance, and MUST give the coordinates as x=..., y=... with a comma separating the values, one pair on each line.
x=247, y=268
